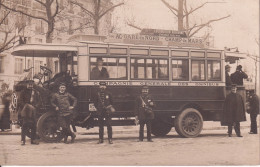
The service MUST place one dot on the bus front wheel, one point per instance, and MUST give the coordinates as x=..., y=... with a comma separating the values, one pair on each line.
x=48, y=128
x=189, y=123
x=161, y=126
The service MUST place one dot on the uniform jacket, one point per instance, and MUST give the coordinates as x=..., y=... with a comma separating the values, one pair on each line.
x=254, y=104
x=238, y=76
x=140, y=110
x=107, y=101
x=63, y=101
x=96, y=74
x=228, y=80
x=234, y=109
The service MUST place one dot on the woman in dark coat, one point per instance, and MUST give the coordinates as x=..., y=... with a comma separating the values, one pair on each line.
x=233, y=111
x=5, y=118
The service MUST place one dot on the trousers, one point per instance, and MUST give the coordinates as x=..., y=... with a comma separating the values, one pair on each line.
x=101, y=125
x=28, y=126
x=148, y=123
x=236, y=127
x=64, y=122
x=253, y=123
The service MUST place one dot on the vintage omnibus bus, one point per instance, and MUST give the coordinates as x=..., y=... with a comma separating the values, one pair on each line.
x=187, y=84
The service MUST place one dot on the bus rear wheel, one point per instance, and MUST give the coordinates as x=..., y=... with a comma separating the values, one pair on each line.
x=189, y=123
x=48, y=128
x=161, y=126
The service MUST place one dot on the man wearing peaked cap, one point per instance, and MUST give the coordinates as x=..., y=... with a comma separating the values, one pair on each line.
x=233, y=111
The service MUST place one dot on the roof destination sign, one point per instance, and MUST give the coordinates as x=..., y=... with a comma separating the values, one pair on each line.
x=165, y=33
x=157, y=40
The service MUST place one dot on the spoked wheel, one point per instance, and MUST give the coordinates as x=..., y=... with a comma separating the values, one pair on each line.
x=189, y=123
x=48, y=128
x=161, y=126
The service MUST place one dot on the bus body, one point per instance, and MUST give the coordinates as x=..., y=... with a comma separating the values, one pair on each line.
x=187, y=84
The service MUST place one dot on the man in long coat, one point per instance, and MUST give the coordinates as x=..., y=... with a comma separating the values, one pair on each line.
x=253, y=111
x=238, y=76
x=102, y=100
x=233, y=111
x=144, y=102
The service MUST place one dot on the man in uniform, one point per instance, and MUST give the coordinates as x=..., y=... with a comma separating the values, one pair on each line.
x=253, y=111
x=99, y=72
x=61, y=102
x=233, y=111
x=238, y=76
x=102, y=100
x=144, y=113
x=228, y=80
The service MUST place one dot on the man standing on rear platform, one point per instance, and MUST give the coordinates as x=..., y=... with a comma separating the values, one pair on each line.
x=233, y=111
x=103, y=99
x=144, y=113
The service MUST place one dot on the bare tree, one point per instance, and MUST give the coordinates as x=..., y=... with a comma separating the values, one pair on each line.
x=98, y=11
x=8, y=30
x=182, y=13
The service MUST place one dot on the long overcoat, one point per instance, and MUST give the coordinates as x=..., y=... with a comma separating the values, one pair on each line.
x=107, y=101
x=234, y=109
x=254, y=104
x=140, y=110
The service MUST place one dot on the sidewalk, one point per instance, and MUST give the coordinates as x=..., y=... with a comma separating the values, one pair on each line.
x=207, y=125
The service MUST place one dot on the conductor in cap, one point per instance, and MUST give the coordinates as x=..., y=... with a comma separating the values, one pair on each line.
x=238, y=76
x=99, y=72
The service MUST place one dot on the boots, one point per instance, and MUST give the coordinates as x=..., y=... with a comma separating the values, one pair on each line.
x=73, y=138
x=110, y=141
x=100, y=141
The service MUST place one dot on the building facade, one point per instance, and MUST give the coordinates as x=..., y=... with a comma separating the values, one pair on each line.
x=71, y=20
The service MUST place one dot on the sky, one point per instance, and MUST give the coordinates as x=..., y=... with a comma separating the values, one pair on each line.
x=240, y=30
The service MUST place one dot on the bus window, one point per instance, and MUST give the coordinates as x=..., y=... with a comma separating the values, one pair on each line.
x=108, y=68
x=180, y=70
x=214, y=70
x=197, y=54
x=198, y=70
x=149, y=69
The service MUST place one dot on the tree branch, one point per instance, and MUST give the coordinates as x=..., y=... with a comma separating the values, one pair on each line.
x=26, y=14
x=40, y=2
x=101, y=15
x=134, y=26
x=193, y=10
x=57, y=9
x=2, y=21
x=205, y=24
x=83, y=8
x=169, y=6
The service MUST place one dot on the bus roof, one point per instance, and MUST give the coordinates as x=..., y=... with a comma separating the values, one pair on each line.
x=234, y=56
x=42, y=50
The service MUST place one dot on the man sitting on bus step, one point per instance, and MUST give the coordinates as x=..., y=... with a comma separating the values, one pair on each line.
x=233, y=111
x=61, y=103
x=238, y=76
x=99, y=72
x=228, y=80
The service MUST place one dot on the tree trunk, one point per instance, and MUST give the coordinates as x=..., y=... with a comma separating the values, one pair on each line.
x=49, y=60
x=180, y=16
x=96, y=27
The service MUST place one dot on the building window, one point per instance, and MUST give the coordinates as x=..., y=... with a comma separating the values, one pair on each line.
x=149, y=69
x=180, y=70
x=1, y=64
x=198, y=70
x=115, y=67
x=214, y=72
x=56, y=66
x=70, y=28
x=18, y=66
x=39, y=28
x=37, y=64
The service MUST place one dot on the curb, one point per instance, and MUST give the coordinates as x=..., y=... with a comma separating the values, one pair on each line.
x=120, y=131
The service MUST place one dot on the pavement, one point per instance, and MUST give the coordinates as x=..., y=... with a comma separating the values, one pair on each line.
x=207, y=125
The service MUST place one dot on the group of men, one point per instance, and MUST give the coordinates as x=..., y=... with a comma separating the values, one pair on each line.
x=234, y=109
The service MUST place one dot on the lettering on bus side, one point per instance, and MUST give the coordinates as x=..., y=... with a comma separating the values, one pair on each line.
x=114, y=83
x=152, y=83
x=207, y=84
x=183, y=84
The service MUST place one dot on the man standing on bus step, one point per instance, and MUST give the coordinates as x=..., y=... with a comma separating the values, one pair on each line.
x=61, y=101
x=99, y=72
x=238, y=76
x=144, y=113
x=102, y=100
x=233, y=111
x=253, y=111
x=228, y=80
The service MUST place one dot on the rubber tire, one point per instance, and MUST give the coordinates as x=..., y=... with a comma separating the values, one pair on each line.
x=161, y=126
x=179, y=120
x=41, y=130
